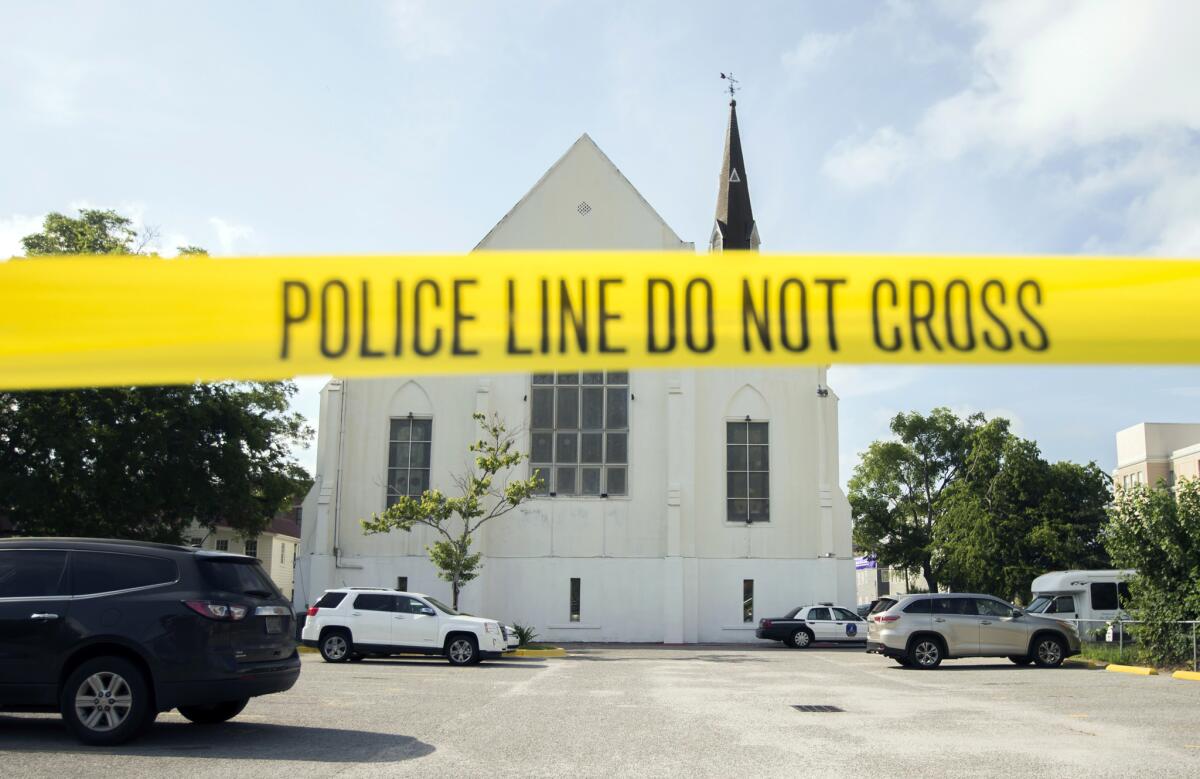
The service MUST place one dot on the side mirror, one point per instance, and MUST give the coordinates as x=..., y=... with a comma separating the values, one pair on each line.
x=428, y=612
x=1017, y=614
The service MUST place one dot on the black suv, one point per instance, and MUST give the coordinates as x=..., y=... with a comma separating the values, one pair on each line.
x=109, y=633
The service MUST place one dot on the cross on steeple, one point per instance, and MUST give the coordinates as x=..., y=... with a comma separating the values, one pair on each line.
x=733, y=87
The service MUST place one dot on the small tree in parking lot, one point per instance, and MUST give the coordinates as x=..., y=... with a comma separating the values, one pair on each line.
x=486, y=492
x=1157, y=532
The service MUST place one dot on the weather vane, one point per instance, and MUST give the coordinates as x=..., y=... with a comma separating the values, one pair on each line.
x=733, y=87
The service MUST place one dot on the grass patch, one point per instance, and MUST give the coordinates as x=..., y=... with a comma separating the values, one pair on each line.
x=538, y=646
x=1113, y=653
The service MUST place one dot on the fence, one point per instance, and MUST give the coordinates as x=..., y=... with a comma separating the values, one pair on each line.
x=1113, y=633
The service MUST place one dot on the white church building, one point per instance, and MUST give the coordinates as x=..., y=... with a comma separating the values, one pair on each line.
x=680, y=506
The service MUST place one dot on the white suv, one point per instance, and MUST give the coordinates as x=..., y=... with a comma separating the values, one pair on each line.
x=351, y=623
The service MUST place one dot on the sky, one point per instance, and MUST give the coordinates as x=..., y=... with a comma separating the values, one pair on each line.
x=892, y=127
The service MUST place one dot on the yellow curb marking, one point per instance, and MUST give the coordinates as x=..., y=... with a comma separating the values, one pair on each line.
x=1139, y=670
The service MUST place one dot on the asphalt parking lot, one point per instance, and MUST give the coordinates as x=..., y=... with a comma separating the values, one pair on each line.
x=700, y=711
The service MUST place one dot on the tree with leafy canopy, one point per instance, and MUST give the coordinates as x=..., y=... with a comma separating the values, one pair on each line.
x=898, y=489
x=485, y=493
x=143, y=462
x=1156, y=530
x=1012, y=516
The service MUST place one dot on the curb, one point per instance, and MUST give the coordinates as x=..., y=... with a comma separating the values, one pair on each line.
x=555, y=652
x=1084, y=661
x=1139, y=670
x=1189, y=675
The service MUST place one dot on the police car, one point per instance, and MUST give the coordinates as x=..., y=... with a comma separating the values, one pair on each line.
x=806, y=625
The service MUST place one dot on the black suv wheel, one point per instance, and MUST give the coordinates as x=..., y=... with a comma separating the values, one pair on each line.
x=1049, y=651
x=336, y=646
x=215, y=713
x=106, y=701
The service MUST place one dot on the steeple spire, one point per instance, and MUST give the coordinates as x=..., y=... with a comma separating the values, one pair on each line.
x=734, y=228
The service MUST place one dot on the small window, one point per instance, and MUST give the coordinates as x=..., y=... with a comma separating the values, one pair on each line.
x=223, y=545
x=410, y=443
x=575, y=600
x=1104, y=596
x=237, y=575
x=196, y=541
x=373, y=602
x=1064, y=604
x=882, y=605
x=252, y=547
x=992, y=608
x=331, y=600
x=920, y=606
x=402, y=583
x=747, y=600
x=96, y=572
x=747, y=472
x=31, y=573
x=820, y=614
x=282, y=552
x=954, y=606
x=403, y=604
x=846, y=614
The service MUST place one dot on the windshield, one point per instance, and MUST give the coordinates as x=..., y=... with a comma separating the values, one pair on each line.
x=883, y=604
x=442, y=606
x=1039, y=605
x=236, y=575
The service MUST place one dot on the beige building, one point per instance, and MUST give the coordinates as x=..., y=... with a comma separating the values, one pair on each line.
x=1150, y=452
x=275, y=547
x=878, y=581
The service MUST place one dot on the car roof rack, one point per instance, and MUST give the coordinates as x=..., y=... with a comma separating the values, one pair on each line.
x=376, y=589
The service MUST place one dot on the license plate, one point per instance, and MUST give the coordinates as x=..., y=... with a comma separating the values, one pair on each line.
x=274, y=624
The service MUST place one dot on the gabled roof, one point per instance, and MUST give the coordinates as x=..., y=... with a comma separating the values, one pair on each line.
x=735, y=217
x=582, y=184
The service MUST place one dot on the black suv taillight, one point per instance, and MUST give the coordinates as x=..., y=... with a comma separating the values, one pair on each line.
x=216, y=610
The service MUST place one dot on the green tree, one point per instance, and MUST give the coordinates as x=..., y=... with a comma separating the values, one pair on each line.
x=1157, y=532
x=1013, y=516
x=486, y=493
x=143, y=462
x=898, y=490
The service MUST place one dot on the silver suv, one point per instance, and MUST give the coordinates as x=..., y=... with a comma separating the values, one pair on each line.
x=923, y=630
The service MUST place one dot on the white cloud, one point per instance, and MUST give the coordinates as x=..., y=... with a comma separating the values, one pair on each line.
x=229, y=234
x=1110, y=82
x=12, y=229
x=857, y=164
x=814, y=50
x=1052, y=74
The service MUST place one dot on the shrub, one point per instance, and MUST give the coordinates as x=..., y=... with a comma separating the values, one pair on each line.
x=525, y=634
x=1157, y=532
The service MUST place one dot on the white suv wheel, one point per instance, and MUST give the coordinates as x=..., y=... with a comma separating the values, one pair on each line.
x=461, y=651
x=334, y=648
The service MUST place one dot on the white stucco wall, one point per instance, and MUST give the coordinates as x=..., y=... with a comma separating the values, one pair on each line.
x=660, y=564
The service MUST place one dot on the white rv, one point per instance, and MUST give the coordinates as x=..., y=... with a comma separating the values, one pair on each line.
x=1093, y=598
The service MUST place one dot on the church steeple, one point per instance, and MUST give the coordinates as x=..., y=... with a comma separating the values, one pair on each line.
x=734, y=228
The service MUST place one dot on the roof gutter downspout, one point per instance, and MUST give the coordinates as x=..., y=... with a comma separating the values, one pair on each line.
x=337, y=486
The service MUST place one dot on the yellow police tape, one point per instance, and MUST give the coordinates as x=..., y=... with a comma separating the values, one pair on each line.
x=69, y=322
